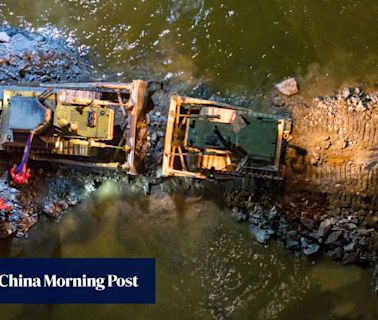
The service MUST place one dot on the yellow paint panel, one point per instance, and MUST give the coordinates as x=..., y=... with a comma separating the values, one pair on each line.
x=75, y=121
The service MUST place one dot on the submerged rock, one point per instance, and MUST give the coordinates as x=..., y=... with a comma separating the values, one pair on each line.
x=375, y=279
x=350, y=258
x=311, y=249
x=335, y=254
x=262, y=236
x=239, y=216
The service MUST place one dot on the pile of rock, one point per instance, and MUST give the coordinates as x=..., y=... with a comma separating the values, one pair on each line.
x=156, y=133
x=352, y=99
x=342, y=233
x=157, y=125
x=52, y=192
x=16, y=219
x=356, y=99
x=27, y=57
x=46, y=194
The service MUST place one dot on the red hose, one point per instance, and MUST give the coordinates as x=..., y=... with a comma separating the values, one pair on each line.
x=4, y=206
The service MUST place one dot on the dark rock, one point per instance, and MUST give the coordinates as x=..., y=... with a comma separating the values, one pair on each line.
x=49, y=209
x=333, y=237
x=335, y=254
x=363, y=241
x=270, y=231
x=292, y=241
x=352, y=226
x=73, y=199
x=371, y=164
x=350, y=258
x=39, y=38
x=304, y=243
x=45, y=78
x=349, y=247
x=324, y=228
x=63, y=204
x=307, y=222
x=273, y=213
x=278, y=101
x=30, y=56
x=161, y=99
x=292, y=244
x=261, y=235
x=311, y=249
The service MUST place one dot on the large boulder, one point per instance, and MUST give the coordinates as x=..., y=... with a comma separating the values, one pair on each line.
x=324, y=228
x=21, y=45
x=4, y=37
x=288, y=87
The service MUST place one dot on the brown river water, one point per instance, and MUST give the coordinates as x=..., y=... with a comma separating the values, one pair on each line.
x=208, y=267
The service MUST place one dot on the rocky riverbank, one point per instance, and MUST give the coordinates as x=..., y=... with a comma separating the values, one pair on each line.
x=51, y=192
x=327, y=204
x=34, y=57
x=342, y=234
x=308, y=227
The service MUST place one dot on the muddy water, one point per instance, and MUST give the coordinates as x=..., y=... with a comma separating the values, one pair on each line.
x=208, y=267
x=238, y=47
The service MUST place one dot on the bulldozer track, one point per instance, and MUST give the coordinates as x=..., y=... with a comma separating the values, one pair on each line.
x=340, y=147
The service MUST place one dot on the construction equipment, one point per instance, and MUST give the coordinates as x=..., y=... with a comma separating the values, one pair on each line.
x=100, y=125
x=73, y=122
x=211, y=139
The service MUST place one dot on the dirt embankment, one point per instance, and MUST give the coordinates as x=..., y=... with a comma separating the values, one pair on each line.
x=334, y=149
x=328, y=202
